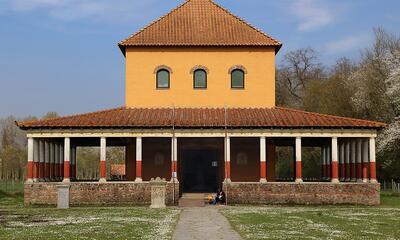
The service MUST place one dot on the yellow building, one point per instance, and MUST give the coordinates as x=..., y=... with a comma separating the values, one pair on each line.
x=200, y=112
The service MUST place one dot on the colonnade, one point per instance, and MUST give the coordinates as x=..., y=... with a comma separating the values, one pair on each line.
x=343, y=160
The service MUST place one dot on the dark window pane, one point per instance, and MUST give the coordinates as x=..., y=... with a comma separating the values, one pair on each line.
x=200, y=79
x=237, y=79
x=163, y=79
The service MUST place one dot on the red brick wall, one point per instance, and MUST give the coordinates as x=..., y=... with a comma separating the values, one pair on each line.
x=305, y=193
x=85, y=193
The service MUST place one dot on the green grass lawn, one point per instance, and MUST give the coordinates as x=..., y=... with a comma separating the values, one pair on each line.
x=18, y=222
x=318, y=222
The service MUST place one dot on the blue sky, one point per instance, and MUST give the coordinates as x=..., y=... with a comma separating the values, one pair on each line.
x=62, y=55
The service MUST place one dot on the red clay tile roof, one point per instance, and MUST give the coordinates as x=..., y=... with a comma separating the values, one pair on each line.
x=199, y=23
x=276, y=117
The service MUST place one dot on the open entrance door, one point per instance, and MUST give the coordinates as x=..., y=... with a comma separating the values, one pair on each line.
x=200, y=170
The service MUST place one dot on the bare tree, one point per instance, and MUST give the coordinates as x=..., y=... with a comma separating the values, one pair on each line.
x=297, y=70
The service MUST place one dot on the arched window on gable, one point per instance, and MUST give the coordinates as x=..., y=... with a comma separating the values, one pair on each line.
x=200, y=79
x=163, y=79
x=237, y=78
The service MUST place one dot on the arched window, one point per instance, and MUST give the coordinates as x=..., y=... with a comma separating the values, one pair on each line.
x=162, y=80
x=200, y=79
x=237, y=78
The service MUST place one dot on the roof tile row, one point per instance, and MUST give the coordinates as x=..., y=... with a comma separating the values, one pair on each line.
x=199, y=23
x=276, y=117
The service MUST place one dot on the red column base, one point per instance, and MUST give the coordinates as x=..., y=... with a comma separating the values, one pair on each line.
x=227, y=170
x=139, y=170
x=299, y=176
x=102, y=169
x=29, y=172
x=66, y=171
x=263, y=170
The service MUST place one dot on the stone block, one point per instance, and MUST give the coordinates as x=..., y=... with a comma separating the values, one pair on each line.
x=158, y=193
x=63, y=196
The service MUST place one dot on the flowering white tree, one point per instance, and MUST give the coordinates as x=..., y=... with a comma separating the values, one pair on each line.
x=377, y=87
x=390, y=138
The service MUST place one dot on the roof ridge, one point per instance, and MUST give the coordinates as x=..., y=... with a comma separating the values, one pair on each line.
x=154, y=22
x=330, y=115
x=244, y=21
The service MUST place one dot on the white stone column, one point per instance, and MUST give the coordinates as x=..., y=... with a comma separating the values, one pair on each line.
x=227, y=159
x=365, y=158
x=323, y=170
x=299, y=176
x=347, y=162
x=67, y=151
x=335, y=162
x=35, y=160
x=57, y=161
x=138, y=159
x=341, y=161
x=174, y=158
x=41, y=160
x=263, y=160
x=329, y=163
x=29, y=177
x=61, y=166
x=359, y=160
x=103, y=152
x=372, y=161
x=46, y=160
x=353, y=160
x=51, y=160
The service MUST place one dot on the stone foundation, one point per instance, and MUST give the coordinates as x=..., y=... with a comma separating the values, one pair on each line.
x=304, y=193
x=94, y=193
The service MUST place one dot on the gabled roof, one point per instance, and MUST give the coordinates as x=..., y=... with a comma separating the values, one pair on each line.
x=199, y=23
x=276, y=117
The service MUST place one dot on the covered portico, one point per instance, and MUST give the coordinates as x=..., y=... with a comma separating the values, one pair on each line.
x=348, y=158
x=206, y=155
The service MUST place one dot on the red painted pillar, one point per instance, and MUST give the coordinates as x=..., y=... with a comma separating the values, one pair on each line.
x=103, y=152
x=299, y=176
x=138, y=159
x=347, y=162
x=335, y=161
x=353, y=161
x=67, y=156
x=372, y=160
x=46, y=160
x=359, y=161
x=174, y=157
x=323, y=165
x=263, y=159
x=227, y=159
x=29, y=172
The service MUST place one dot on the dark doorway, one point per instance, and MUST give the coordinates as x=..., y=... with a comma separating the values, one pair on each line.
x=200, y=170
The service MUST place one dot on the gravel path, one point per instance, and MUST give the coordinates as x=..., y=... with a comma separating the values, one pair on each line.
x=204, y=223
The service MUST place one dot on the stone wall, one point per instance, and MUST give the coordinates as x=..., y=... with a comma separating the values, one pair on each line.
x=94, y=193
x=304, y=193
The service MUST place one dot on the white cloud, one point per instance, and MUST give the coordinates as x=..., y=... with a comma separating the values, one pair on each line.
x=349, y=43
x=312, y=14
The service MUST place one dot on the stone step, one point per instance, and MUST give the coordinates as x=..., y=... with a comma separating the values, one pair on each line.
x=193, y=200
x=191, y=203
